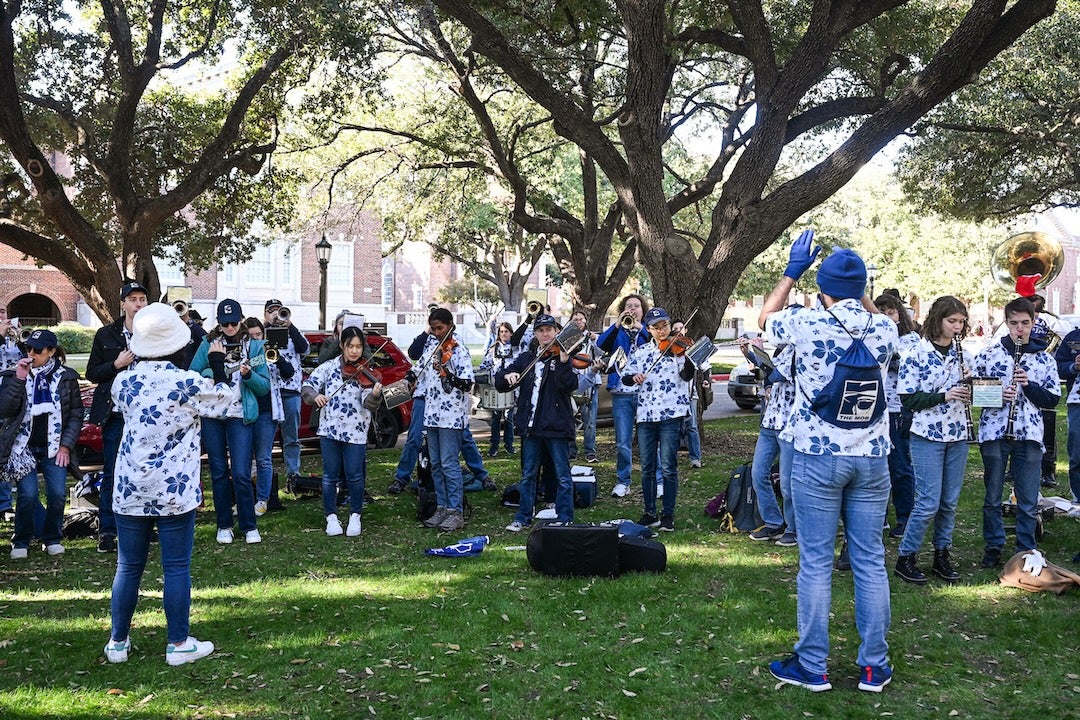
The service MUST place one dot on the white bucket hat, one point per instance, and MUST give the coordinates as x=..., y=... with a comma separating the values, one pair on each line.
x=158, y=332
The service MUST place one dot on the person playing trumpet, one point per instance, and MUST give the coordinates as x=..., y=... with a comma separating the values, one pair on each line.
x=288, y=389
x=271, y=414
x=625, y=334
x=10, y=354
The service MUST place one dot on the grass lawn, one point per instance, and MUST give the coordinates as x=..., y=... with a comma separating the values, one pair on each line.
x=313, y=627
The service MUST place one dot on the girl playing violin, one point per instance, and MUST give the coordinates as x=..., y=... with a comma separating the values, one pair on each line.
x=346, y=396
x=663, y=379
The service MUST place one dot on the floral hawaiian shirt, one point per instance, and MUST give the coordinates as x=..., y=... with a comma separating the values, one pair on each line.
x=664, y=395
x=344, y=418
x=923, y=369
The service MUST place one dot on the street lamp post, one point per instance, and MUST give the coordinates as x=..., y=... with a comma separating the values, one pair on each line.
x=871, y=273
x=322, y=253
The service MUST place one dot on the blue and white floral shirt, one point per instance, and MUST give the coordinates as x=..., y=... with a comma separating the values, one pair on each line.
x=344, y=418
x=157, y=468
x=819, y=342
x=664, y=395
x=447, y=408
x=892, y=397
x=996, y=361
x=780, y=401
x=923, y=369
x=10, y=354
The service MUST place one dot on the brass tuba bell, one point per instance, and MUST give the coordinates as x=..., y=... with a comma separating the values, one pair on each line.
x=1027, y=253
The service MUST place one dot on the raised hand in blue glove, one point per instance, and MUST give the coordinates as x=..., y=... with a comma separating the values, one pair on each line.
x=801, y=257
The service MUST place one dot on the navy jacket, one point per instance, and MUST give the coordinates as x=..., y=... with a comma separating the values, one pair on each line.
x=109, y=342
x=554, y=416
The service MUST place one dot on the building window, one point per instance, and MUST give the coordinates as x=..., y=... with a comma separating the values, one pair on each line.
x=388, y=282
x=287, y=261
x=339, y=271
x=169, y=273
x=259, y=270
x=228, y=273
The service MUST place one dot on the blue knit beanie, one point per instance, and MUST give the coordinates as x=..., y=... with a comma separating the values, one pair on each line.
x=842, y=275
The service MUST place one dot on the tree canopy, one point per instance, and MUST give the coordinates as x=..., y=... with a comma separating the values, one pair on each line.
x=771, y=106
x=143, y=130
x=1008, y=143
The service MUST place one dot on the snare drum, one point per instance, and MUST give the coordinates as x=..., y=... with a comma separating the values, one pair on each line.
x=492, y=399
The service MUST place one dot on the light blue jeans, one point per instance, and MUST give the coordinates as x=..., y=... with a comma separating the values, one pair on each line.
x=693, y=438
x=411, y=451
x=939, y=475
x=444, y=445
x=176, y=536
x=343, y=461
x=1027, y=473
x=659, y=438
x=263, y=447
x=624, y=414
x=55, y=478
x=826, y=489
x=787, y=451
x=766, y=451
x=290, y=433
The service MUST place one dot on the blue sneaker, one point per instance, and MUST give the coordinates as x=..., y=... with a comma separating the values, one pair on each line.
x=790, y=671
x=873, y=679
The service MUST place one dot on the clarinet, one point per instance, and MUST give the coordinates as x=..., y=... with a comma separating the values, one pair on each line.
x=1010, y=429
x=959, y=350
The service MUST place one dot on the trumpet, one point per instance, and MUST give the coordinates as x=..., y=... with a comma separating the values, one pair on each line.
x=180, y=307
x=281, y=316
x=626, y=322
x=25, y=334
x=535, y=307
x=272, y=354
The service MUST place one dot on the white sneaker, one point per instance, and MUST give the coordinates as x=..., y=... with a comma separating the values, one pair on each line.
x=354, y=525
x=224, y=536
x=19, y=553
x=515, y=526
x=54, y=549
x=659, y=489
x=619, y=490
x=333, y=525
x=251, y=537
x=117, y=651
x=188, y=651
x=695, y=463
x=260, y=508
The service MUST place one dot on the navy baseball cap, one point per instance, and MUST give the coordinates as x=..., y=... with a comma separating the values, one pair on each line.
x=129, y=287
x=41, y=339
x=656, y=315
x=544, y=319
x=229, y=311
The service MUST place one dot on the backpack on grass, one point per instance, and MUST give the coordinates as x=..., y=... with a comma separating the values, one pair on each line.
x=740, y=507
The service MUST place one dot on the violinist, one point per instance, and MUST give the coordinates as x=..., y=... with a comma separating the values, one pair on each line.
x=447, y=378
x=625, y=334
x=498, y=357
x=662, y=372
x=544, y=419
x=346, y=392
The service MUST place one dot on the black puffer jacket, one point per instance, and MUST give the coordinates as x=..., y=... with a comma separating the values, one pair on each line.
x=13, y=409
x=109, y=342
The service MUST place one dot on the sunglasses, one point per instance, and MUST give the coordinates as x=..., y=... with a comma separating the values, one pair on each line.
x=35, y=351
x=229, y=324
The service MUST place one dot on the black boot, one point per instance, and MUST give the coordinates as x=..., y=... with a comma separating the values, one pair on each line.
x=906, y=570
x=274, y=504
x=991, y=558
x=843, y=561
x=943, y=568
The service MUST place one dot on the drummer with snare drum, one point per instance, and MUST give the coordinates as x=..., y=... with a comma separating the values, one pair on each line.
x=499, y=355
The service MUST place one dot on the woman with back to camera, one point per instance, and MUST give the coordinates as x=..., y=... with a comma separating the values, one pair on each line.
x=157, y=475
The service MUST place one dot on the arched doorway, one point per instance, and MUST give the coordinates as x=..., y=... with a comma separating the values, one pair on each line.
x=34, y=310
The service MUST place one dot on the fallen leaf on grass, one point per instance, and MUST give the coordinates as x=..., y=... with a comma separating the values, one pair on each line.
x=298, y=661
x=629, y=693
x=637, y=671
x=114, y=691
x=145, y=700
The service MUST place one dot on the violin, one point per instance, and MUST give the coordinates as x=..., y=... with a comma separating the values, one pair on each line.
x=581, y=361
x=676, y=345
x=359, y=373
x=446, y=348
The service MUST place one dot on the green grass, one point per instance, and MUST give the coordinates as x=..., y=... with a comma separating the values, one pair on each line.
x=310, y=626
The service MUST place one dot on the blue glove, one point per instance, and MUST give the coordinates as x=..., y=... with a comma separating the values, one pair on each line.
x=801, y=257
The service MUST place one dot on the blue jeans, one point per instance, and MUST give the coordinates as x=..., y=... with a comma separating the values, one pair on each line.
x=662, y=437
x=343, y=461
x=1026, y=468
x=228, y=448
x=903, y=477
x=693, y=438
x=5, y=497
x=532, y=450
x=411, y=452
x=588, y=422
x=939, y=475
x=766, y=451
x=176, y=536
x=787, y=451
x=1073, y=445
x=624, y=414
x=290, y=433
x=111, y=433
x=27, y=498
x=444, y=445
x=828, y=488
x=263, y=447
x=502, y=426
x=470, y=453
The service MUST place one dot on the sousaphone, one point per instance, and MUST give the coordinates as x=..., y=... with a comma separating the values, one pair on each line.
x=1027, y=253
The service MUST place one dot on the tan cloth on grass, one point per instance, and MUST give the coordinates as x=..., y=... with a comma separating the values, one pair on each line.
x=1053, y=578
